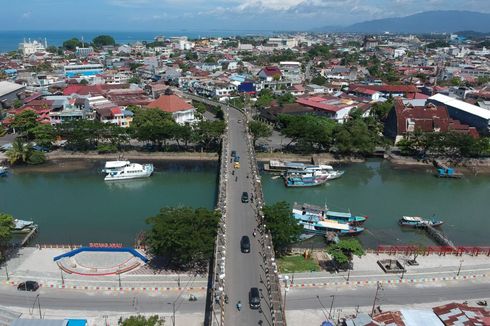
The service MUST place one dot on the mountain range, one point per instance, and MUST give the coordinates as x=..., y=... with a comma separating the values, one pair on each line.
x=426, y=22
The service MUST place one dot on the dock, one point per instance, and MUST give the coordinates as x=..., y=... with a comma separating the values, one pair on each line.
x=28, y=236
x=438, y=236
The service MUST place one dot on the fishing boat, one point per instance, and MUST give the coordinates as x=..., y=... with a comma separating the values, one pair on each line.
x=325, y=212
x=3, y=171
x=281, y=166
x=302, y=179
x=317, y=225
x=324, y=171
x=21, y=226
x=125, y=170
x=416, y=221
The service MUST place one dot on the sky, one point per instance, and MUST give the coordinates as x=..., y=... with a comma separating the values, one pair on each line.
x=206, y=15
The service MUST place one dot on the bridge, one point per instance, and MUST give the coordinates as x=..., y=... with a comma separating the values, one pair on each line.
x=234, y=272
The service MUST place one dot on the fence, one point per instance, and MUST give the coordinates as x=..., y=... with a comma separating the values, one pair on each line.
x=439, y=250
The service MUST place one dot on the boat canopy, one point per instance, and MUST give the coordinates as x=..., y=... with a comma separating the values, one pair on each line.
x=20, y=224
x=412, y=218
x=339, y=214
x=116, y=164
x=334, y=225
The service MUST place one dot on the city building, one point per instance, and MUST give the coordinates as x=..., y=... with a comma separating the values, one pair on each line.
x=28, y=48
x=9, y=93
x=291, y=70
x=181, y=111
x=86, y=70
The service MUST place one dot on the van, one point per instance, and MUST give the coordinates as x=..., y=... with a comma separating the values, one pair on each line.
x=254, y=298
x=245, y=244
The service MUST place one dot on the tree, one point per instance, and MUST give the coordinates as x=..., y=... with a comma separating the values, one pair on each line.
x=209, y=133
x=6, y=226
x=308, y=131
x=153, y=125
x=141, y=321
x=72, y=44
x=319, y=80
x=134, y=80
x=81, y=134
x=52, y=49
x=22, y=153
x=44, y=135
x=343, y=251
x=265, y=98
x=24, y=122
x=259, y=130
x=184, y=236
x=285, y=230
x=103, y=40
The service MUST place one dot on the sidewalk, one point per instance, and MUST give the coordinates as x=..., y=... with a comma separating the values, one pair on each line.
x=38, y=265
x=431, y=268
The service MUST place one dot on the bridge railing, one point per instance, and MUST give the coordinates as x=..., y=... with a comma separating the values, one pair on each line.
x=272, y=281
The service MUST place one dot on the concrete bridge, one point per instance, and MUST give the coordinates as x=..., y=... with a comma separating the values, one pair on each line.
x=234, y=272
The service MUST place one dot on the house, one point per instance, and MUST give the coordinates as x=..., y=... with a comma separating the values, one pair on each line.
x=406, y=118
x=9, y=93
x=333, y=107
x=389, y=90
x=367, y=93
x=469, y=114
x=291, y=70
x=271, y=114
x=114, y=115
x=181, y=111
x=270, y=74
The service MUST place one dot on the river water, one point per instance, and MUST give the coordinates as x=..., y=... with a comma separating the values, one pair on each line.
x=79, y=207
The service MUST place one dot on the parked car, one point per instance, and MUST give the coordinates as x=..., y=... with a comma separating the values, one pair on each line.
x=245, y=197
x=237, y=158
x=245, y=244
x=233, y=153
x=31, y=286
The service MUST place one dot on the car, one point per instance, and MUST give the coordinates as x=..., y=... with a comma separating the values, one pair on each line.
x=254, y=298
x=237, y=158
x=236, y=165
x=245, y=244
x=245, y=197
x=233, y=153
x=31, y=286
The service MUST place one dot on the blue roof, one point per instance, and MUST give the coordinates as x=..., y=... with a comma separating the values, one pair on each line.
x=77, y=322
x=10, y=71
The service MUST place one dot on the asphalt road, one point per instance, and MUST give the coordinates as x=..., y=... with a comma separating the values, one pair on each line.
x=243, y=270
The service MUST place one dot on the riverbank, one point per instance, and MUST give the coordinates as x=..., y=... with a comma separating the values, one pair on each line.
x=324, y=158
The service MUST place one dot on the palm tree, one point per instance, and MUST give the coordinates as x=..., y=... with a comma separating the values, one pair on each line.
x=22, y=152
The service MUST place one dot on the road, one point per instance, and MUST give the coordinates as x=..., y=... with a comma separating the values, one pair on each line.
x=243, y=270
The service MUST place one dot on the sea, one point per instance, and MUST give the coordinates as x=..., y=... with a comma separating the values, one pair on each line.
x=9, y=40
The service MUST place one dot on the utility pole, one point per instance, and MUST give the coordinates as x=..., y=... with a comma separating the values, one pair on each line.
x=460, y=264
x=119, y=277
x=39, y=306
x=348, y=275
x=62, y=278
x=331, y=306
x=378, y=286
x=7, y=271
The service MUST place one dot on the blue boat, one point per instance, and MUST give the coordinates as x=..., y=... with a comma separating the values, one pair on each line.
x=324, y=212
x=302, y=179
x=317, y=225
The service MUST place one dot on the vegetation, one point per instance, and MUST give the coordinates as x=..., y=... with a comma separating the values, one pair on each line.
x=24, y=123
x=309, y=132
x=343, y=251
x=43, y=135
x=444, y=144
x=183, y=236
x=319, y=80
x=297, y=264
x=72, y=44
x=284, y=229
x=6, y=225
x=438, y=44
x=24, y=153
x=103, y=40
x=259, y=129
x=141, y=321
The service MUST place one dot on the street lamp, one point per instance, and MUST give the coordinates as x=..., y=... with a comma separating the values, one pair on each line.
x=460, y=264
x=331, y=306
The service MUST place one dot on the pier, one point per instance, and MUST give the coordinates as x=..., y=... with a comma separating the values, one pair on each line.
x=438, y=236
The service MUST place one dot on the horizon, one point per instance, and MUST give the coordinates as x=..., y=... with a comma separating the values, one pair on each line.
x=172, y=15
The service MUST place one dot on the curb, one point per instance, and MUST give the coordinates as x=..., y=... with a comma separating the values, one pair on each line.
x=109, y=288
x=396, y=281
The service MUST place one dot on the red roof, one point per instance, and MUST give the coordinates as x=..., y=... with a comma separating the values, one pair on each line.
x=388, y=88
x=272, y=71
x=318, y=103
x=170, y=103
x=461, y=314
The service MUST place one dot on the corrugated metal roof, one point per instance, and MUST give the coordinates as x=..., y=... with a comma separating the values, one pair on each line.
x=413, y=317
x=39, y=322
x=8, y=87
x=463, y=106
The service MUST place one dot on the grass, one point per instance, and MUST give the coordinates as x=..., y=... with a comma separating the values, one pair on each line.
x=296, y=264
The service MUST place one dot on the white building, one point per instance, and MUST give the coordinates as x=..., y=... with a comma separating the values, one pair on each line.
x=291, y=70
x=28, y=48
x=282, y=43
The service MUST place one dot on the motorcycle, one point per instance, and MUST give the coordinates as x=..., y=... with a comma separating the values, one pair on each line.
x=482, y=303
x=239, y=305
x=226, y=299
x=192, y=298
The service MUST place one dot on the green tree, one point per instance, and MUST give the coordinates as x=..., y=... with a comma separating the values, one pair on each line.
x=184, y=236
x=6, y=226
x=153, y=125
x=265, y=98
x=52, y=49
x=72, y=44
x=310, y=132
x=319, y=80
x=103, y=40
x=285, y=230
x=259, y=129
x=209, y=133
x=141, y=321
x=18, y=103
x=23, y=153
x=44, y=135
x=286, y=98
x=134, y=80
x=24, y=122
x=355, y=136
x=82, y=134
x=343, y=251
x=183, y=133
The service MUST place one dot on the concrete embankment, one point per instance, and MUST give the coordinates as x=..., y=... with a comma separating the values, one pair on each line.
x=134, y=155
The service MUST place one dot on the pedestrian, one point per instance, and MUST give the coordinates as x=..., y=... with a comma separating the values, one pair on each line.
x=254, y=234
x=236, y=178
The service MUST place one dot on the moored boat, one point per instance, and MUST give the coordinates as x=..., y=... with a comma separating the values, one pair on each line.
x=417, y=221
x=302, y=179
x=3, y=170
x=317, y=225
x=125, y=170
x=325, y=212
x=21, y=226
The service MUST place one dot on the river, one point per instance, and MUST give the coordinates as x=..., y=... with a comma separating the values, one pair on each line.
x=79, y=207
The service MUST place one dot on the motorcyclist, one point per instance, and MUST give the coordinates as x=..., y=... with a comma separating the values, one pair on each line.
x=239, y=305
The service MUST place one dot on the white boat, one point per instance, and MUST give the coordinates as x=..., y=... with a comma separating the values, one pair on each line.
x=324, y=171
x=124, y=170
x=3, y=170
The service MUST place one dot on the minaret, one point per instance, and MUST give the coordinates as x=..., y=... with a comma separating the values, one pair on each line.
x=45, y=43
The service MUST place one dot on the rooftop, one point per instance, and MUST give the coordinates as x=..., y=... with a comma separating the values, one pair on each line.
x=8, y=87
